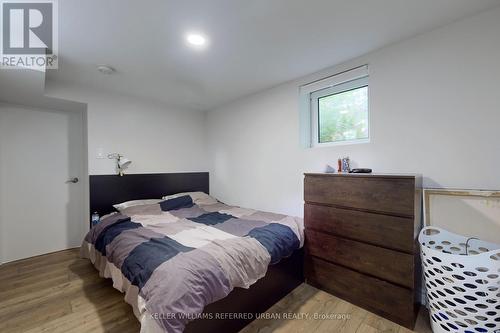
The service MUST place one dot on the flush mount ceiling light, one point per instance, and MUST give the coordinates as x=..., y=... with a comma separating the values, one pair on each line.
x=197, y=40
x=105, y=69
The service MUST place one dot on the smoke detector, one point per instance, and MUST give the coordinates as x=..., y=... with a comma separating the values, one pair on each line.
x=105, y=69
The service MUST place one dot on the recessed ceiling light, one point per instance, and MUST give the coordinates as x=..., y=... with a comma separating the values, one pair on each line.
x=105, y=69
x=196, y=39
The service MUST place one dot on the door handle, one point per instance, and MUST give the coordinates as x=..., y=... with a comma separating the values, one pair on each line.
x=72, y=180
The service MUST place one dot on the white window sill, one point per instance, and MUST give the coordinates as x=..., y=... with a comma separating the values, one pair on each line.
x=340, y=143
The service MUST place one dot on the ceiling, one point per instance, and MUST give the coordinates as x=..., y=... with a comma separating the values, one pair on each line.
x=254, y=44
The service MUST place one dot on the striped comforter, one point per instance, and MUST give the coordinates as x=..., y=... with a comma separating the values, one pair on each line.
x=173, y=258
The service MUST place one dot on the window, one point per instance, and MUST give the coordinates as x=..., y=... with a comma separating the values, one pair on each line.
x=340, y=114
x=335, y=110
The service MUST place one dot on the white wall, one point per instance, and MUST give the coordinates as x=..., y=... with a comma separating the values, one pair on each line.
x=156, y=138
x=435, y=110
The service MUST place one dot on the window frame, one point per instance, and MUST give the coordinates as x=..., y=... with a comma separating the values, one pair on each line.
x=333, y=90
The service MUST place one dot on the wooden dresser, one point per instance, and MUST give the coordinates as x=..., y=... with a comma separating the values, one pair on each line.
x=361, y=240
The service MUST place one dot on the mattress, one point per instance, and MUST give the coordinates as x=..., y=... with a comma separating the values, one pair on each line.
x=173, y=258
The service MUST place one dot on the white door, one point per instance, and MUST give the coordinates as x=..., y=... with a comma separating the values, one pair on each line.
x=41, y=210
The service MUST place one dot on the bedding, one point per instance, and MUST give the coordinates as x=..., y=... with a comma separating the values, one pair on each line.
x=173, y=258
x=198, y=198
x=132, y=203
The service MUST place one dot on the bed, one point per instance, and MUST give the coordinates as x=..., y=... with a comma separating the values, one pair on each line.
x=187, y=262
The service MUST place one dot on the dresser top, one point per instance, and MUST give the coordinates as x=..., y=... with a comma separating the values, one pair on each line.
x=366, y=175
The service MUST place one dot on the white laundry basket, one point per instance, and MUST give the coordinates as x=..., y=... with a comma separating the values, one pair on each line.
x=462, y=278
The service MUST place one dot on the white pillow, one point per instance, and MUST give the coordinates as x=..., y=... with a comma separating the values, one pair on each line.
x=132, y=203
x=199, y=198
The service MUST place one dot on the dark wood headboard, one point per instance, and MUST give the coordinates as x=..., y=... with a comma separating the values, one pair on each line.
x=108, y=190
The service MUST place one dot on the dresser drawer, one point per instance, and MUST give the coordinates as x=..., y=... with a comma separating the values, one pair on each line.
x=393, y=266
x=387, y=231
x=387, y=195
x=391, y=301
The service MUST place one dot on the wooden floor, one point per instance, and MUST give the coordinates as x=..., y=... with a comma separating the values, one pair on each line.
x=344, y=317
x=60, y=292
